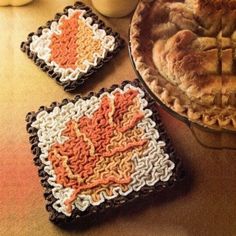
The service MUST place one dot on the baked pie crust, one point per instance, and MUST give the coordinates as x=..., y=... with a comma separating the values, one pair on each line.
x=185, y=51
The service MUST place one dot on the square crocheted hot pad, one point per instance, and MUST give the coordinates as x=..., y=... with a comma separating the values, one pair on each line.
x=72, y=46
x=101, y=151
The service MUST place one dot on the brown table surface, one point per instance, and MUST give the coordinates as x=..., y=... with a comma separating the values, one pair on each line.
x=204, y=204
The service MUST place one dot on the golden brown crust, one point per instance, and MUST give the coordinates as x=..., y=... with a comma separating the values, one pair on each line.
x=186, y=59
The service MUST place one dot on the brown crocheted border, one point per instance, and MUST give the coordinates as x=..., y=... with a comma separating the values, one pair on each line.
x=72, y=85
x=77, y=215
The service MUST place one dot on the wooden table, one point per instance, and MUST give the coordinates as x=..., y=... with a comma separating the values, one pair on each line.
x=204, y=204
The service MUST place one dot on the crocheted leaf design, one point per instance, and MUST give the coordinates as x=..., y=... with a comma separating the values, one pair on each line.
x=98, y=151
x=74, y=44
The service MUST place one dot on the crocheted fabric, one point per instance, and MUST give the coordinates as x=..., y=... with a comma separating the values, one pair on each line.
x=97, y=149
x=72, y=45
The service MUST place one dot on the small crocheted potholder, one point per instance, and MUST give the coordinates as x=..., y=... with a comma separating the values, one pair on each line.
x=73, y=46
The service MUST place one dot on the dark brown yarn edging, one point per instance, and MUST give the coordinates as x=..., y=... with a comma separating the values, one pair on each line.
x=77, y=215
x=70, y=86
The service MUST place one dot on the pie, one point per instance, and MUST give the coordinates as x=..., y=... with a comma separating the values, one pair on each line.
x=185, y=51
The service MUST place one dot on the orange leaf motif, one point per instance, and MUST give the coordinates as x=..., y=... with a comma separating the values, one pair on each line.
x=75, y=44
x=97, y=154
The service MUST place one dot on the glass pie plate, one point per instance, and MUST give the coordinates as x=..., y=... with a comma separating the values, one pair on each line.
x=205, y=136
